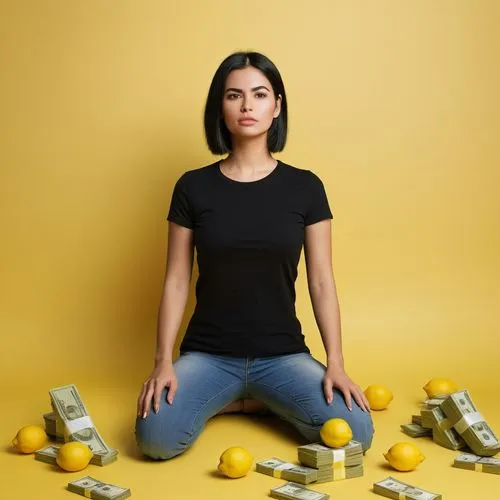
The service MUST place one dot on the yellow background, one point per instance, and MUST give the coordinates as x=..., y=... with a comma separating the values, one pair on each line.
x=394, y=104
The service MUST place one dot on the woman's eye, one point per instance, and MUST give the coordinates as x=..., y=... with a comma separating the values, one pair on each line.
x=263, y=94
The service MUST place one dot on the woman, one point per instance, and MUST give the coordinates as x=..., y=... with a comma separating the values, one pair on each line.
x=248, y=217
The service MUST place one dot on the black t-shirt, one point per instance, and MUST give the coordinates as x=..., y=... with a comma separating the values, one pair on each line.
x=248, y=238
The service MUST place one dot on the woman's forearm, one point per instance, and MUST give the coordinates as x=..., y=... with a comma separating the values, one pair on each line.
x=327, y=314
x=171, y=311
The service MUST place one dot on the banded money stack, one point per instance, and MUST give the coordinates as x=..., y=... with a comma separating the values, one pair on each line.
x=454, y=423
x=294, y=491
x=92, y=488
x=70, y=421
x=477, y=463
x=319, y=464
x=335, y=463
x=392, y=488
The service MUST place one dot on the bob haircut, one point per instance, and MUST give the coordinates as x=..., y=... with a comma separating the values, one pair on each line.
x=217, y=134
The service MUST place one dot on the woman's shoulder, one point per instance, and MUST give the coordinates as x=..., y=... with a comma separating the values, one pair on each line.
x=194, y=175
x=304, y=174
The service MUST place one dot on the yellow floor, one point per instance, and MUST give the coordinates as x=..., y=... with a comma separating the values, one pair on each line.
x=193, y=475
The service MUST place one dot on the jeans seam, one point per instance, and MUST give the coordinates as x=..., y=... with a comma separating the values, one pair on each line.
x=298, y=404
x=190, y=440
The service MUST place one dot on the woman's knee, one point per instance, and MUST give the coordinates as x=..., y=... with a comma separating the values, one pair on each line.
x=159, y=441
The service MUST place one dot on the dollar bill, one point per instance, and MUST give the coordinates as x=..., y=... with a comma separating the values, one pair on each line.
x=392, y=488
x=294, y=491
x=477, y=463
x=470, y=424
x=69, y=407
x=97, y=490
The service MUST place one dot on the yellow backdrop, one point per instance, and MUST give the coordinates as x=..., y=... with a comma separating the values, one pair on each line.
x=393, y=104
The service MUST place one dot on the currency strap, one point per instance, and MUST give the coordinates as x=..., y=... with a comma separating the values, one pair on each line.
x=338, y=456
x=78, y=424
x=402, y=496
x=88, y=491
x=286, y=466
x=338, y=471
x=467, y=420
x=478, y=467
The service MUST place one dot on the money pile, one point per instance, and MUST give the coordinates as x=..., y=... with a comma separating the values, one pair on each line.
x=70, y=421
x=92, y=488
x=433, y=422
x=392, y=488
x=477, y=463
x=345, y=462
x=285, y=470
x=318, y=464
x=470, y=424
x=294, y=491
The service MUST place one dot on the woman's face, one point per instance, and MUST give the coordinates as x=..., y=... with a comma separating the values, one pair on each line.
x=249, y=94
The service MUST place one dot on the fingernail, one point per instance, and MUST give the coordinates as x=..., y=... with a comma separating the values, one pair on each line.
x=350, y=408
x=157, y=409
x=144, y=415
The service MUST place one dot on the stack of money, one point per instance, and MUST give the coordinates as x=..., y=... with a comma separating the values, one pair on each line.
x=442, y=432
x=49, y=455
x=72, y=416
x=92, y=488
x=294, y=491
x=477, y=463
x=276, y=467
x=470, y=424
x=52, y=426
x=415, y=430
x=392, y=488
x=345, y=462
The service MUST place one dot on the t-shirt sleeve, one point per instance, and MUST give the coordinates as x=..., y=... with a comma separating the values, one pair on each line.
x=318, y=206
x=181, y=206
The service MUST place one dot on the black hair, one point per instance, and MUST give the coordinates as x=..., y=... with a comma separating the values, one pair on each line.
x=217, y=135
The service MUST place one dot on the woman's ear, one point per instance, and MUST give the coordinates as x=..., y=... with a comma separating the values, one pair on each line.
x=278, y=107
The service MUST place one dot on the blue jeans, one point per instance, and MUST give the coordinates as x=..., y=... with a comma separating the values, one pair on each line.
x=290, y=385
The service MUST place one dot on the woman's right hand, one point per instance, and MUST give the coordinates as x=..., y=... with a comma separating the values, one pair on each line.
x=162, y=376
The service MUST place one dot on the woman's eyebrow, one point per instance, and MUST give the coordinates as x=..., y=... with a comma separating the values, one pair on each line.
x=241, y=91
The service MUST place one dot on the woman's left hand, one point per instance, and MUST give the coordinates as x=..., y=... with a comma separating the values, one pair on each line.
x=337, y=378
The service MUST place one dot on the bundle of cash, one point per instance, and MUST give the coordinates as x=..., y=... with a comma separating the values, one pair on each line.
x=72, y=416
x=442, y=430
x=392, y=488
x=294, y=491
x=49, y=455
x=318, y=455
x=470, y=424
x=416, y=419
x=53, y=426
x=276, y=467
x=92, y=488
x=415, y=430
x=477, y=463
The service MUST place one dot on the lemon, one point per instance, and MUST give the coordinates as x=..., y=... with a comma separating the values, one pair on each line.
x=29, y=439
x=378, y=396
x=336, y=432
x=404, y=456
x=73, y=456
x=439, y=386
x=235, y=462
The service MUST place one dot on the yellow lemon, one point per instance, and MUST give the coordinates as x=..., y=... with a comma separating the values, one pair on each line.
x=336, y=432
x=29, y=439
x=404, y=456
x=73, y=456
x=235, y=462
x=439, y=386
x=378, y=396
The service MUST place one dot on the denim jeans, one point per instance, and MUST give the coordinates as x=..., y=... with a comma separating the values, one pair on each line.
x=289, y=385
